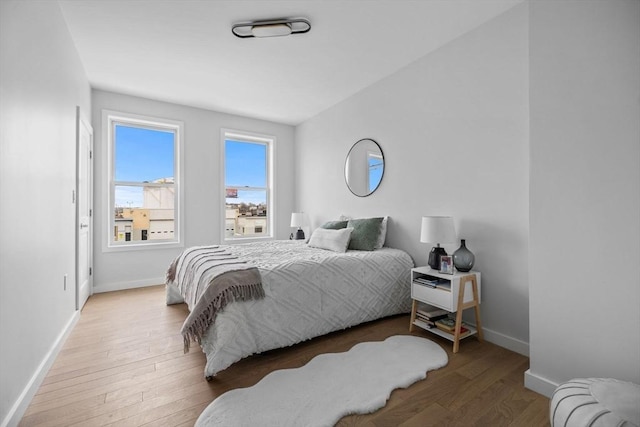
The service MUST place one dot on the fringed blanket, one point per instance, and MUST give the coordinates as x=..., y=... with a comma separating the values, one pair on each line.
x=209, y=278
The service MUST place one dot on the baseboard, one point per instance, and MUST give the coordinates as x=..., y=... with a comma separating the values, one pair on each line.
x=22, y=403
x=506, y=341
x=119, y=286
x=539, y=384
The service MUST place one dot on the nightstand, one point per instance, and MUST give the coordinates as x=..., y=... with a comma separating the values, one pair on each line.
x=451, y=292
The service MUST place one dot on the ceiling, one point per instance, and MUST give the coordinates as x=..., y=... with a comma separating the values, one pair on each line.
x=183, y=51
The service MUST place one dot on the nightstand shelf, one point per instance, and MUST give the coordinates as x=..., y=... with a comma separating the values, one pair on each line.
x=453, y=293
x=444, y=334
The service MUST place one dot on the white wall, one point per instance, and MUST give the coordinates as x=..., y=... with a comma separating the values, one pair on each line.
x=453, y=127
x=41, y=83
x=201, y=187
x=585, y=191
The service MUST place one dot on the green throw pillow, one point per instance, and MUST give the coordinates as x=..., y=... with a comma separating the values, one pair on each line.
x=365, y=233
x=334, y=225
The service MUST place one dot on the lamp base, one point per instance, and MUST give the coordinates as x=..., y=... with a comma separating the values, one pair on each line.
x=434, y=257
x=299, y=234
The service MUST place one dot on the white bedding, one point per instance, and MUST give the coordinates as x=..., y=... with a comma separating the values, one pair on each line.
x=308, y=292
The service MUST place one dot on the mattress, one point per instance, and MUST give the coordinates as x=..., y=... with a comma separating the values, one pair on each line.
x=309, y=292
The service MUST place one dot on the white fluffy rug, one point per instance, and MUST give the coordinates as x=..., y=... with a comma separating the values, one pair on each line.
x=329, y=387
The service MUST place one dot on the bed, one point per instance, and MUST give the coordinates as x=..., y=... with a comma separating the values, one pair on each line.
x=307, y=292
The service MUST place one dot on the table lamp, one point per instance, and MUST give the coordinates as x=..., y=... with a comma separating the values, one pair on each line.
x=437, y=229
x=297, y=220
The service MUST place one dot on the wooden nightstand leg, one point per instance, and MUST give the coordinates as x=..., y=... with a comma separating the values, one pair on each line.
x=460, y=309
x=476, y=308
x=414, y=307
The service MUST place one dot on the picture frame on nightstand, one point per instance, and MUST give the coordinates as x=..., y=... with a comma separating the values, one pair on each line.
x=446, y=264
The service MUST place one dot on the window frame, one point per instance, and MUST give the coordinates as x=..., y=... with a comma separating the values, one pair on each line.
x=110, y=119
x=249, y=137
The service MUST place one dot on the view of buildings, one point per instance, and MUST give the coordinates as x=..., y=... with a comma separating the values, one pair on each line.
x=245, y=220
x=154, y=220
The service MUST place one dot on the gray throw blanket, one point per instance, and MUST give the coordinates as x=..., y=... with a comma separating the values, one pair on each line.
x=209, y=278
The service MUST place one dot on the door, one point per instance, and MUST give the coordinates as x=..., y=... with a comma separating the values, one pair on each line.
x=84, y=210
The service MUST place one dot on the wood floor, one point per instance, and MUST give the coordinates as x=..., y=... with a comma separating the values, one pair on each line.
x=123, y=365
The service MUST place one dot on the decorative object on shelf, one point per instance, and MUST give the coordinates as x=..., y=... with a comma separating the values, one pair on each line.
x=446, y=264
x=437, y=229
x=463, y=258
x=297, y=220
x=271, y=28
x=364, y=167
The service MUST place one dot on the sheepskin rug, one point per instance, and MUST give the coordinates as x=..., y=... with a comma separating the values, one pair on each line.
x=329, y=386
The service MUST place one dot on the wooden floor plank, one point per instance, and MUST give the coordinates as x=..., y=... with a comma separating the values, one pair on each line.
x=123, y=365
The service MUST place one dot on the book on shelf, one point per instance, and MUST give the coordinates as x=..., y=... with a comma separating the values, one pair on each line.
x=449, y=325
x=422, y=280
x=423, y=314
x=425, y=322
x=464, y=332
x=433, y=282
x=432, y=314
x=446, y=324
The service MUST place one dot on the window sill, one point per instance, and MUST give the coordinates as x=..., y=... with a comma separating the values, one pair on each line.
x=142, y=246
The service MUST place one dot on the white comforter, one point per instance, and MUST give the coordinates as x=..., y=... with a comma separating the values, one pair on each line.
x=308, y=292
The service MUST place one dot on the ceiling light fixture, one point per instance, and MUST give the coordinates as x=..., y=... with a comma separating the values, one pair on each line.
x=271, y=28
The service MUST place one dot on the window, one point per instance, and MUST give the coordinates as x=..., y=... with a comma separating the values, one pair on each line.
x=247, y=185
x=143, y=176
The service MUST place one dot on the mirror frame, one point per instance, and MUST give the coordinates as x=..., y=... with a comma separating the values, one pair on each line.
x=346, y=163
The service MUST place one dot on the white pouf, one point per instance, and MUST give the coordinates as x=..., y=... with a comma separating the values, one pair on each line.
x=595, y=402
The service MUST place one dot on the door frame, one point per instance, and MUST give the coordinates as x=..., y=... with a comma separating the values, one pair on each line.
x=81, y=121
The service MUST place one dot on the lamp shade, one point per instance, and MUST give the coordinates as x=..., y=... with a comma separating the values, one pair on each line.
x=297, y=219
x=437, y=229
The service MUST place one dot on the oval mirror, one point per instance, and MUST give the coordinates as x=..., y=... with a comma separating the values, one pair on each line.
x=364, y=167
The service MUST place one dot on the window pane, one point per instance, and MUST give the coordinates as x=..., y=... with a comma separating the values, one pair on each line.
x=128, y=197
x=246, y=214
x=376, y=166
x=144, y=213
x=143, y=155
x=245, y=164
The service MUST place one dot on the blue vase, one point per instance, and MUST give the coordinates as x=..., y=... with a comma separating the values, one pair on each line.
x=463, y=258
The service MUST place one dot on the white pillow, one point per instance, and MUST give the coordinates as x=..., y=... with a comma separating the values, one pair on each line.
x=383, y=233
x=333, y=240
